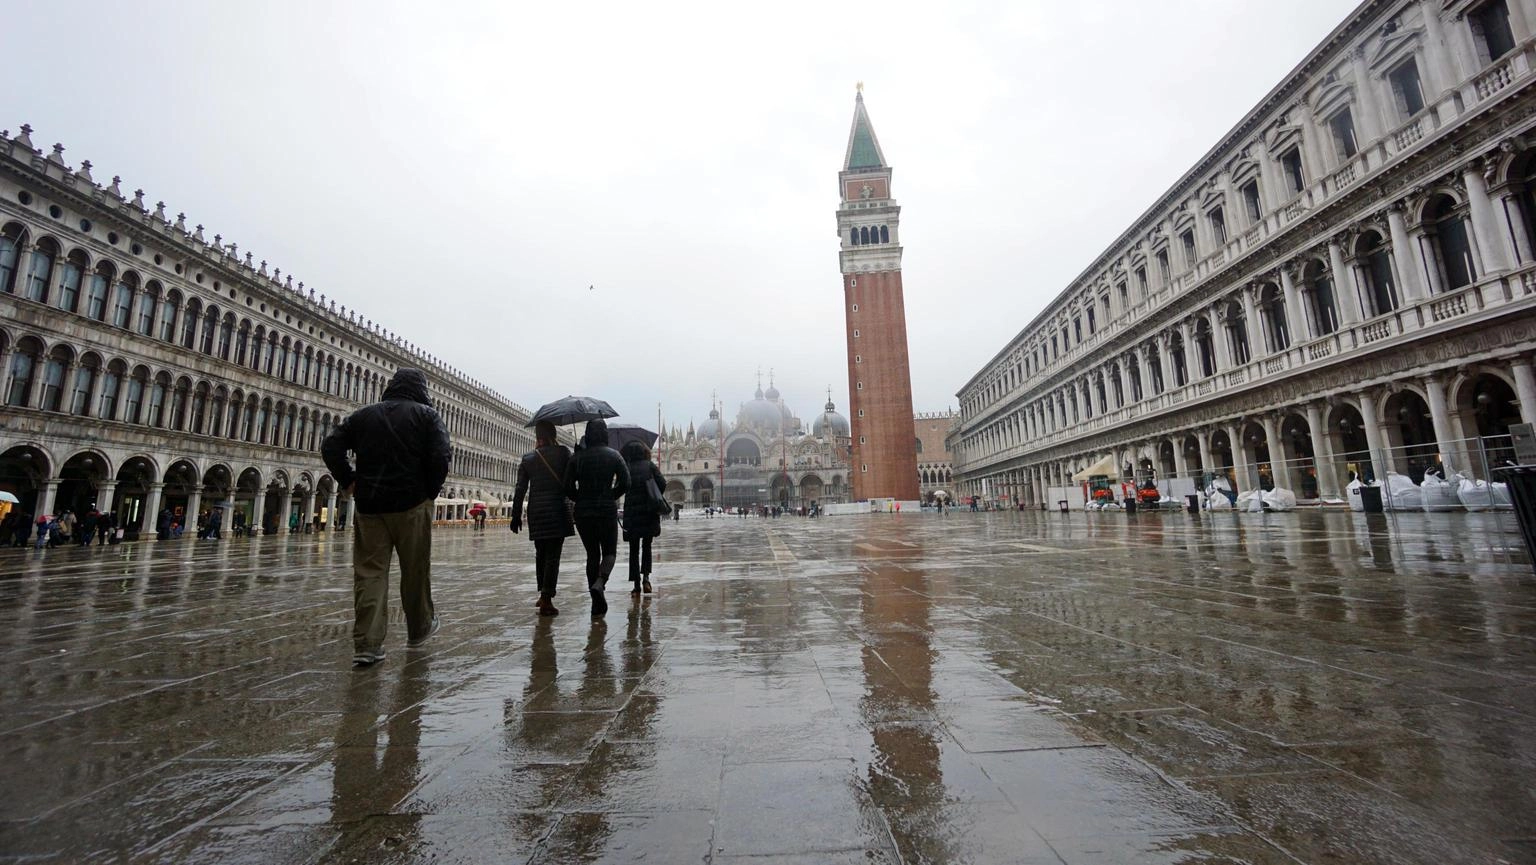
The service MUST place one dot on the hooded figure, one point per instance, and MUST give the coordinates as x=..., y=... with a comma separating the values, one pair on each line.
x=595, y=480
x=402, y=453
x=642, y=519
x=541, y=483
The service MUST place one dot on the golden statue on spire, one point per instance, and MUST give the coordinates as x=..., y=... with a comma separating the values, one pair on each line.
x=859, y=86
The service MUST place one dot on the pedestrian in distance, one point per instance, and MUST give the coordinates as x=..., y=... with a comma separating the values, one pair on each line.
x=215, y=523
x=541, y=484
x=595, y=480
x=402, y=452
x=87, y=532
x=642, y=512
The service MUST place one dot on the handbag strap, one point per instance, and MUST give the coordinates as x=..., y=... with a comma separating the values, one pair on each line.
x=551, y=468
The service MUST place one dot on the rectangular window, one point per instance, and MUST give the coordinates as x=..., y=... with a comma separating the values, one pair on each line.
x=122, y=306
x=1141, y=281
x=1490, y=28
x=1125, y=295
x=855, y=333
x=1190, y=256
x=1406, y=90
x=1342, y=125
x=108, y=395
x=1290, y=163
x=1251, y=202
x=1218, y=222
x=1092, y=323
x=858, y=385
x=1162, y=266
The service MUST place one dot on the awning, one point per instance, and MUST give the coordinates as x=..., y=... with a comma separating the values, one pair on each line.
x=1104, y=468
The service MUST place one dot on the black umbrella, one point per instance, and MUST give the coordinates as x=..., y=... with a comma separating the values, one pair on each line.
x=572, y=409
x=620, y=434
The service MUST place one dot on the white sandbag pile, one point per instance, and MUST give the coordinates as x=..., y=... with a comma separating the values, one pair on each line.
x=1479, y=495
x=1402, y=494
x=1279, y=499
x=1438, y=495
x=1250, y=501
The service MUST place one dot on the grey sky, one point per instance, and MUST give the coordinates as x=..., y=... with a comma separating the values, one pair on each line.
x=461, y=172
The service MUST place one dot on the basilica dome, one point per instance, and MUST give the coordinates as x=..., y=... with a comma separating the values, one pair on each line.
x=764, y=414
x=830, y=423
x=710, y=429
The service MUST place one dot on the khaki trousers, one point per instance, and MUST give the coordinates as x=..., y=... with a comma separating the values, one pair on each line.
x=375, y=539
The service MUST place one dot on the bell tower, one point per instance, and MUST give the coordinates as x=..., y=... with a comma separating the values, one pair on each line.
x=879, y=375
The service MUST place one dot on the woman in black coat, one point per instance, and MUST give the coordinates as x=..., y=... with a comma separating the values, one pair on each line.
x=541, y=481
x=642, y=521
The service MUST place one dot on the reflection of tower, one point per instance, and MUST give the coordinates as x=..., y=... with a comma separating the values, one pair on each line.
x=879, y=376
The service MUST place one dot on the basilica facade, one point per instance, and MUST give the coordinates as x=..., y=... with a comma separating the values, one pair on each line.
x=1343, y=285
x=767, y=456
x=145, y=366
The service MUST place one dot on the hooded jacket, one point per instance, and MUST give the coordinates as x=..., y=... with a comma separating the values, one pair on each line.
x=400, y=445
x=641, y=520
x=596, y=477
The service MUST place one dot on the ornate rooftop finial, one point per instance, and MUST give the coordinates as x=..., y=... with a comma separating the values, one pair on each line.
x=113, y=189
x=181, y=222
x=248, y=265
x=57, y=156
x=311, y=292
x=218, y=241
x=198, y=234
x=25, y=138
x=160, y=211
x=138, y=199
x=85, y=171
x=261, y=270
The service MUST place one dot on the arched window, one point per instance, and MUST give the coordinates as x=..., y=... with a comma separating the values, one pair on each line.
x=1277, y=335
x=256, y=419
x=189, y=321
x=863, y=235
x=158, y=392
x=71, y=272
x=149, y=304
x=853, y=237
x=133, y=404
x=243, y=341
x=885, y=234
x=210, y=328
x=40, y=269
x=1237, y=333
x=282, y=359
x=23, y=368
x=236, y=415
x=269, y=352
x=10, y=256
x=218, y=411
x=179, y=398
x=53, y=378
x=199, y=409
x=1375, y=270
x=1321, y=308
x=122, y=300
x=1445, y=224
x=85, y=377
x=1205, y=348
x=226, y=335
x=111, y=381
x=258, y=346
x=1177, y=360
x=168, y=312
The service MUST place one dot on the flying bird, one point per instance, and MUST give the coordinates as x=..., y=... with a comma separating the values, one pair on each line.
x=589, y=288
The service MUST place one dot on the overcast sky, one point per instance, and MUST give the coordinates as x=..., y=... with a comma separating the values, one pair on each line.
x=462, y=172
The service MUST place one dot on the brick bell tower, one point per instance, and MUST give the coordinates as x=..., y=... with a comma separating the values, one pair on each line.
x=879, y=376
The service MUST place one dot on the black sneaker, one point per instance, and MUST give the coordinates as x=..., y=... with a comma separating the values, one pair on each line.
x=418, y=641
x=367, y=657
x=599, y=605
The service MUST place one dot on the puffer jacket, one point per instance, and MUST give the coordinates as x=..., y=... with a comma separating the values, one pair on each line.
x=400, y=444
x=641, y=519
x=541, y=482
x=596, y=478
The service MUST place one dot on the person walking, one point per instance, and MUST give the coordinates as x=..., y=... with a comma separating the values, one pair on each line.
x=541, y=483
x=163, y=525
x=595, y=480
x=642, y=517
x=215, y=523
x=402, y=453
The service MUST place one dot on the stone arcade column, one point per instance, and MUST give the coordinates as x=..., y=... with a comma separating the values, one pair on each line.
x=258, y=514
x=1277, y=468
x=152, y=506
x=1180, y=466
x=104, y=495
x=194, y=507
x=46, y=495
x=1251, y=320
x=1293, y=317
x=308, y=516
x=1452, y=452
x=1219, y=337
x=1206, y=460
x=1322, y=453
x=1345, y=294
x=285, y=512
x=1239, y=479
x=1379, y=456
x=1405, y=254
x=1490, y=236
x=1165, y=360
x=1525, y=387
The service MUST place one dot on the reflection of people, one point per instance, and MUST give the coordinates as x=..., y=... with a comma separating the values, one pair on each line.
x=541, y=480
x=367, y=779
x=402, y=453
x=642, y=522
x=595, y=479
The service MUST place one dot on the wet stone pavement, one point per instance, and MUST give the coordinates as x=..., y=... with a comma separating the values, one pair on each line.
x=974, y=688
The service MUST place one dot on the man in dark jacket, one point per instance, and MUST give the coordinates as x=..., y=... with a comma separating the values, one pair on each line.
x=595, y=480
x=402, y=453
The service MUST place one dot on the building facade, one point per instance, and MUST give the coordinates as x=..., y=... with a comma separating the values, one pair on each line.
x=145, y=366
x=768, y=456
x=935, y=469
x=879, y=375
x=1344, y=284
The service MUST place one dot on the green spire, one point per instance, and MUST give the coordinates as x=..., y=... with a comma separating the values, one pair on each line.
x=863, y=146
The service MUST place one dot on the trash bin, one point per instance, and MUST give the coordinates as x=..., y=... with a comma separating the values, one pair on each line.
x=1192, y=502
x=1130, y=504
x=1370, y=500
x=1062, y=504
x=1522, y=492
